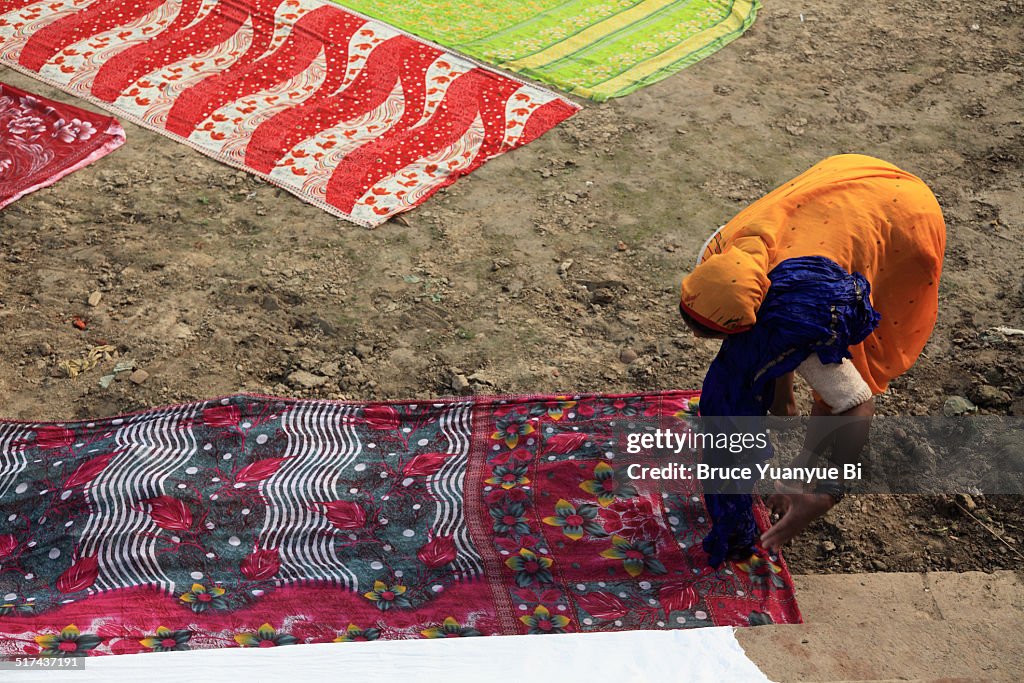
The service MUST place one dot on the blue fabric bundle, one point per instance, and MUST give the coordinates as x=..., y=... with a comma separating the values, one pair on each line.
x=812, y=306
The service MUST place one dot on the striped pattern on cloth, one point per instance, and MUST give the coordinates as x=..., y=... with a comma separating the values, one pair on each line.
x=592, y=48
x=347, y=113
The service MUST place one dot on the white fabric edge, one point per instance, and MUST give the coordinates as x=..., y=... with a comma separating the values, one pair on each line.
x=702, y=654
x=707, y=243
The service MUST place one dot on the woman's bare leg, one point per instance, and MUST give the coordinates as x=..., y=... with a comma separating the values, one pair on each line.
x=784, y=403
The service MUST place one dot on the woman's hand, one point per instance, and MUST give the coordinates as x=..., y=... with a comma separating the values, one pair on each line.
x=796, y=511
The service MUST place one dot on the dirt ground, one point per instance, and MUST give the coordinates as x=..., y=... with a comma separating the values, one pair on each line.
x=553, y=268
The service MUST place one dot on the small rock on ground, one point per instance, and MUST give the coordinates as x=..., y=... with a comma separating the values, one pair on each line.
x=989, y=396
x=958, y=405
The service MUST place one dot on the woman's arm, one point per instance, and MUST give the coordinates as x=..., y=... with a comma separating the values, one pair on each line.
x=844, y=434
x=846, y=437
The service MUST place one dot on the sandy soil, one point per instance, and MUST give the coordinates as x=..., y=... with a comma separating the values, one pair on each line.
x=553, y=268
x=941, y=627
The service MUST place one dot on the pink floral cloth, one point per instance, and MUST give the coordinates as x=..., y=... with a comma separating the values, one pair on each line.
x=41, y=141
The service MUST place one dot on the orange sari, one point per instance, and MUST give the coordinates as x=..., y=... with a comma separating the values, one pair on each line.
x=863, y=213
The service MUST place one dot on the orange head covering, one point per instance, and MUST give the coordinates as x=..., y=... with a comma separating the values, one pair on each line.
x=726, y=289
x=866, y=215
